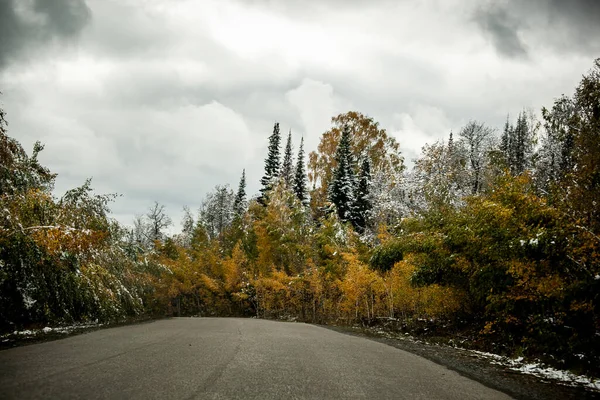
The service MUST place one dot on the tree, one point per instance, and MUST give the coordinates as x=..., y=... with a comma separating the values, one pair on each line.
x=18, y=171
x=343, y=184
x=240, y=204
x=287, y=168
x=362, y=202
x=366, y=136
x=439, y=179
x=506, y=142
x=387, y=196
x=554, y=158
x=477, y=139
x=61, y=260
x=271, y=165
x=140, y=233
x=282, y=232
x=300, y=177
x=569, y=161
x=187, y=227
x=158, y=220
x=582, y=146
x=216, y=212
x=517, y=143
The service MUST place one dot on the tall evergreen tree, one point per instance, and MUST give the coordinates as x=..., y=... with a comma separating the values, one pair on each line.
x=239, y=204
x=520, y=145
x=300, y=176
x=505, y=140
x=271, y=165
x=517, y=144
x=362, y=203
x=555, y=156
x=343, y=185
x=287, y=168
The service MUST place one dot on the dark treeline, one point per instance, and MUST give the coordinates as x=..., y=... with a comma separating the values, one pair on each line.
x=493, y=234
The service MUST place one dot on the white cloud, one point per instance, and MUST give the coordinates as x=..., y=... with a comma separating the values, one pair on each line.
x=422, y=124
x=316, y=103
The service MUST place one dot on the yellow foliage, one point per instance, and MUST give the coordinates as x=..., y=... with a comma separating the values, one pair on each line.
x=431, y=301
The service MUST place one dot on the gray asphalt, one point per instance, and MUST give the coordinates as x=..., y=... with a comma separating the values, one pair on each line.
x=219, y=358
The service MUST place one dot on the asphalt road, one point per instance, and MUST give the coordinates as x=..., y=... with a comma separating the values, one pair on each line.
x=219, y=358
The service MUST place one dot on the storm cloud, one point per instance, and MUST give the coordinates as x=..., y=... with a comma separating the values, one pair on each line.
x=513, y=26
x=26, y=25
x=503, y=30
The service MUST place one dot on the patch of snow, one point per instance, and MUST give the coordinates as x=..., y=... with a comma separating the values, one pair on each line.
x=541, y=371
x=25, y=333
x=46, y=330
x=28, y=301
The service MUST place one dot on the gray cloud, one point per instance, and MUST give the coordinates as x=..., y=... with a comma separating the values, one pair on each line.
x=514, y=26
x=26, y=25
x=503, y=31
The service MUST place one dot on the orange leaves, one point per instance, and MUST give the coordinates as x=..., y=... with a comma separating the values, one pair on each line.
x=56, y=240
x=534, y=282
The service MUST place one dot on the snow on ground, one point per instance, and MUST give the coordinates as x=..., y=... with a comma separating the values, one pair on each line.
x=539, y=370
x=65, y=329
x=515, y=364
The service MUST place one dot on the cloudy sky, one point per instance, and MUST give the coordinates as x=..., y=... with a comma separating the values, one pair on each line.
x=163, y=99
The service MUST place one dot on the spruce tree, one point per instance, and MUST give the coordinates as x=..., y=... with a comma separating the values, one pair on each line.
x=300, y=177
x=362, y=203
x=343, y=184
x=516, y=144
x=521, y=138
x=271, y=165
x=505, y=140
x=287, y=168
x=239, y=204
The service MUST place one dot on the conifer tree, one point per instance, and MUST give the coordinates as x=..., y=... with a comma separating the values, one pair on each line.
x=505, y=140
x=520, y=145
x=300, y=176
x=271, y=165
x=239, y=204
x=287, y=168
x=516, y=144
x=343, y=184
x=362, y=203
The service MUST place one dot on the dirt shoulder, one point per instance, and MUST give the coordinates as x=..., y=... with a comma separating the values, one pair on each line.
x=477, y=367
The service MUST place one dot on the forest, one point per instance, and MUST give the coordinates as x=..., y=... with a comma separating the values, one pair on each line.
x=493, y=237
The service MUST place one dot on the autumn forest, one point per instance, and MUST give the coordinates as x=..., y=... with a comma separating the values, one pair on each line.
x=493, y=236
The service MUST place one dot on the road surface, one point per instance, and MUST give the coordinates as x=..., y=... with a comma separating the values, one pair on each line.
x=221, y=358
